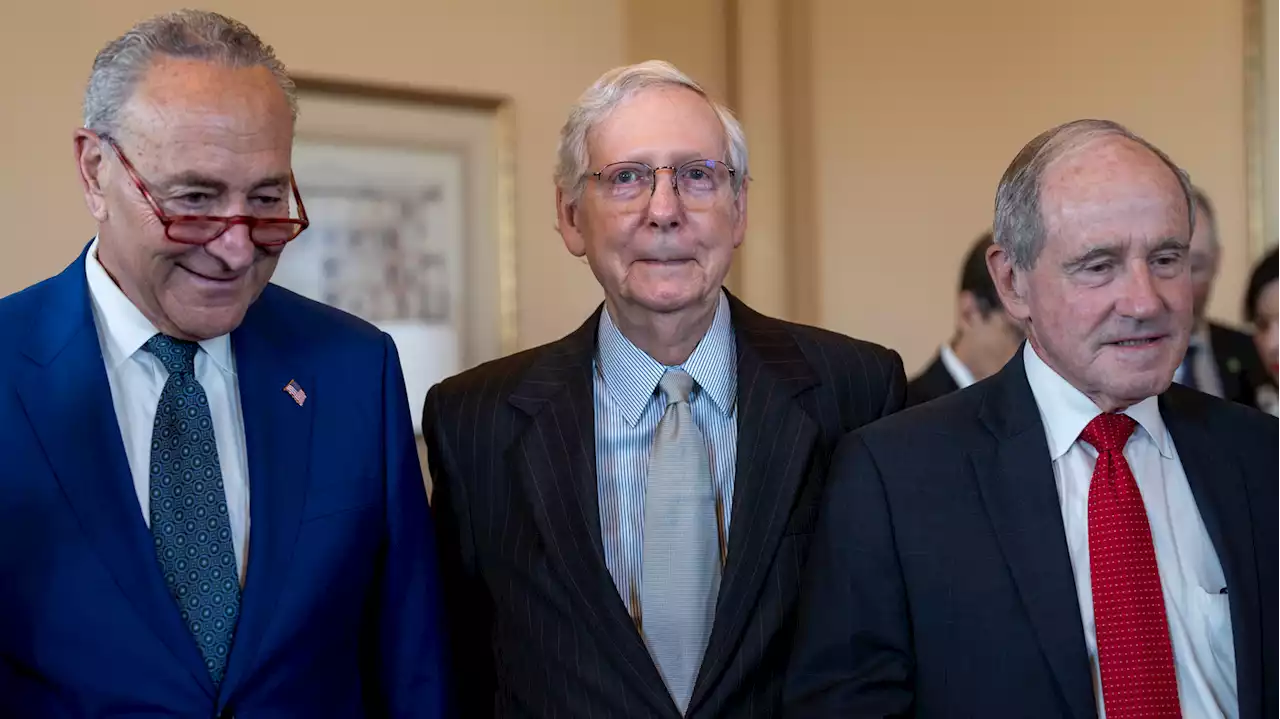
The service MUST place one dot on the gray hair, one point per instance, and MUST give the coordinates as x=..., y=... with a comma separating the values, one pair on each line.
x=1019, y=225
x=612, y=89
x=188, y=34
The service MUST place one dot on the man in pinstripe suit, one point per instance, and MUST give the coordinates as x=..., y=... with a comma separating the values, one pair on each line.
x=548, y=465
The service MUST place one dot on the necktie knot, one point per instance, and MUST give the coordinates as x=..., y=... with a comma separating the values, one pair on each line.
x=1109, y=432
x=676, y=384
x=177, y=356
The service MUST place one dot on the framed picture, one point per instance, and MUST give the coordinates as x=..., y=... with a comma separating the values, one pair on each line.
x=1262, y=124
x=411, y=200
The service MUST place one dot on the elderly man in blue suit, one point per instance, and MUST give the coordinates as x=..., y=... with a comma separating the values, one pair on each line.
x=161, y=405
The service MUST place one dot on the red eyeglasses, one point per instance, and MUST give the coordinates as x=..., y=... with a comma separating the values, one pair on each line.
x=203, y=229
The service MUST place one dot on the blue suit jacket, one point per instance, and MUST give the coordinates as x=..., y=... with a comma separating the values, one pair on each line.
x=339, y=614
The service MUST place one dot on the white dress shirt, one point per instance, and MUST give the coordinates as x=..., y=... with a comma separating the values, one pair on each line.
x=1190, y=573
x=137, y=378
x=960, y=374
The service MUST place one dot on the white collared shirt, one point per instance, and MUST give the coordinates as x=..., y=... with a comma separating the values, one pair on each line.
x=1190, y=574
x=959, y=373
x=137, y=378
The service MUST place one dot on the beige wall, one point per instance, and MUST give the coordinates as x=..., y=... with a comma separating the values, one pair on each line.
x=918, y=111
x=878, y=130
x=541, y=54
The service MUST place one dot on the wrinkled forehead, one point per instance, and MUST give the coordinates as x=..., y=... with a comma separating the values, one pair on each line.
x=659, y=125
x=1111, y=185
x=185, y=111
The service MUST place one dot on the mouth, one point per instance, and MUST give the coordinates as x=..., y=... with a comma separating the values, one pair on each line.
x=209, y=278
x=672, y=262
x=1137, y=342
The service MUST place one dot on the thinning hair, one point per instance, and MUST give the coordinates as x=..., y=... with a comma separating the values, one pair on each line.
x=1019, y=226
x=616, y=87
x=184, y=34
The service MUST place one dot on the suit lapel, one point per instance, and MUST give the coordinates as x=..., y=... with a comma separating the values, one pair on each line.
x=278, y=442
x=1016, y=482
x=555, y=459
x=1217, y=483
x=67, y=397
x=775, y=441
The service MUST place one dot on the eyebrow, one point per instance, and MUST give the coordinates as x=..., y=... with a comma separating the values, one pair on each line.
x=195, y=179
x=1171, y=243
x=1116, y=249
x=1093, y=254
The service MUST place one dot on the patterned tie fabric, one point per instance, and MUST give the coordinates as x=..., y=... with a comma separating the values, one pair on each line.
x=680, y=576
x=1134, y=650
x=189, y=521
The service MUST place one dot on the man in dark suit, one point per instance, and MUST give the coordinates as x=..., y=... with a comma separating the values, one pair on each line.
x=985, y=335
x=1074, y=536
x=161, y=403
x=1219, y=361
x=624, y=513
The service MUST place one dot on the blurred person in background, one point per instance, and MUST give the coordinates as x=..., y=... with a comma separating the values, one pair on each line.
x=1220, y=361
x=1260, y=307
x=161, y=403
x=985, y=335
x=623, y=513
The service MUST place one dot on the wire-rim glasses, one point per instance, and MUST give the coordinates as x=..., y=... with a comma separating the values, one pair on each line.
x=699, y=183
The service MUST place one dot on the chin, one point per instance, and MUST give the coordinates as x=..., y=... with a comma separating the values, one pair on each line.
x=663, y=301
x=210, y=324
x=1140, y=388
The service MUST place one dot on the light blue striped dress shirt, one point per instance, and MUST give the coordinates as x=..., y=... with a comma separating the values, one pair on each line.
x=627, y=412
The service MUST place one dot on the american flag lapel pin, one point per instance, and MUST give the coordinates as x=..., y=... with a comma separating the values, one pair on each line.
x=294, y=390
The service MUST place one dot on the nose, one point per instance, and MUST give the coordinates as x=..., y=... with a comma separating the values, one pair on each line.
x=1139, y=298
x=233, y=248
x=664, y=205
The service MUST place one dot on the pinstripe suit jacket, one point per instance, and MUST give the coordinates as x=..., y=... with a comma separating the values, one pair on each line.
x=537, y=626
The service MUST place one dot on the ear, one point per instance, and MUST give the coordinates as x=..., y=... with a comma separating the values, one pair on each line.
x=567, y=216
x=740, y=214
x=1009, y=282
x=92, y=170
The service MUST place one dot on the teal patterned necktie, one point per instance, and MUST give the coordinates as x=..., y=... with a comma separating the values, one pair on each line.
x=189, y=521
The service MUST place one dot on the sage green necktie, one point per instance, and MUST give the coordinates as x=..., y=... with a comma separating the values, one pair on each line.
x=681, y=565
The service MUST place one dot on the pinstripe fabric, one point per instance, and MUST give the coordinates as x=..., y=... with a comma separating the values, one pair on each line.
x=627, y=411
x=537, y=625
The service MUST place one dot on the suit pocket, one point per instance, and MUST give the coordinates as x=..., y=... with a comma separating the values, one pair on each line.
x=340, y=497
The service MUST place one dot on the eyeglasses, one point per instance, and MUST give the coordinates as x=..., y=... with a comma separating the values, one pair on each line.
x=203, y=229
x=699, y=184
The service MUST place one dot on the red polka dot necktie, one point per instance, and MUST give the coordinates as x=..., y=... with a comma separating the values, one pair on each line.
x=1134, y=650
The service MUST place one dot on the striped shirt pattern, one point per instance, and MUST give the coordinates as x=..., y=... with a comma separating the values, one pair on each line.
x=627, y=412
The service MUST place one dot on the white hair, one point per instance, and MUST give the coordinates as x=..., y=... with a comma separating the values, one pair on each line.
x=191, y=34
x=611, y=90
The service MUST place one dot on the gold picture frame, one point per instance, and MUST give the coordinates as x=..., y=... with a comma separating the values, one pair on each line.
x=1262, y=127
x=411, y=193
